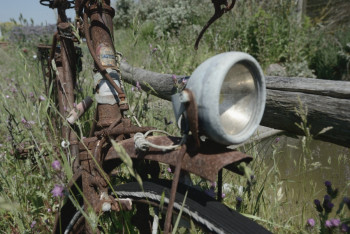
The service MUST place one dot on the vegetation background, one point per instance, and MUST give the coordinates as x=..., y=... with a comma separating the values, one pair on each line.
x=159, y=35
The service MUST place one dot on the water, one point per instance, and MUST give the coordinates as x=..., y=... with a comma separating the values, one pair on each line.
x=328, y=162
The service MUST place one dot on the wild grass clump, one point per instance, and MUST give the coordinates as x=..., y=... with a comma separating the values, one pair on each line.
x=27, y=150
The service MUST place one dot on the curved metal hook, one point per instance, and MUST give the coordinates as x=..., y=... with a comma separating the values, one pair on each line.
x=218, y=13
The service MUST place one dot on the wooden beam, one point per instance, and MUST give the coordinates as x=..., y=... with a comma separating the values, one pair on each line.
x=327, y=101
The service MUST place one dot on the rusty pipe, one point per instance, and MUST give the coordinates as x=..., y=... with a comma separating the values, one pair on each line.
x=100, y=67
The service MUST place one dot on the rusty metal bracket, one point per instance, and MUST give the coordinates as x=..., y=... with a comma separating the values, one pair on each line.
x=192, y=115
x=204, y=162
x=219, y=11
x=125, y=127
x=180, y=156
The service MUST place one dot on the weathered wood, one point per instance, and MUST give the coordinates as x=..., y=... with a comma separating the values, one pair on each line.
x=323, y=112
x=329, y=88
x=162, y=84
x=327, y=102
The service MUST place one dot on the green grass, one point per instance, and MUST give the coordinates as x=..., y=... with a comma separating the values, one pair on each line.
x=272, y=199
x=279, y=201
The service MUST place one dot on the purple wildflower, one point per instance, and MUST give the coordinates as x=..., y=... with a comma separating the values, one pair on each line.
x=57, y=191
x=42, y=98
x=223, y=195
x=167, y=122
x=328, y=224
x=7, y=96
x=32, y=225
x=238, y=202
x=138, y=86
x=174, y=78
x=328, y=207
x=327, y=198
x=133, y=89
x=31, y=94
x=24, y=121
x=335, y=222
x=344, y=228
x=169, y=169
x=311, y=222
x=318, y=205
x=346, y=200
x=27, y=124
x=210, y=192
x=56, y=165
x=277, y=140
x=49, y=210
x=152, y=49
x=330, y=191
x=327, y=204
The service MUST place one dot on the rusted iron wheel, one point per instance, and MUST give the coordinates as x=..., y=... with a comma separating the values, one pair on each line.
x=206, y=213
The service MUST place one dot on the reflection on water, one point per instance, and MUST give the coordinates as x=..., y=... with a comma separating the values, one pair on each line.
x=329, y=162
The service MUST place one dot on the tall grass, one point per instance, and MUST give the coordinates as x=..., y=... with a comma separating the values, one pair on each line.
x=280, y=201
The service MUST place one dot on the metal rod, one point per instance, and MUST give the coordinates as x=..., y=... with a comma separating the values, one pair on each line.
x=219, y=195
x=174, y=188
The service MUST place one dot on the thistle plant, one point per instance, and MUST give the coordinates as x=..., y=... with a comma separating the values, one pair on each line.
x=337, y=224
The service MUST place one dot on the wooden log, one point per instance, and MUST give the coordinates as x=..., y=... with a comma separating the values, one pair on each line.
x=160, y=85
x=327, y=102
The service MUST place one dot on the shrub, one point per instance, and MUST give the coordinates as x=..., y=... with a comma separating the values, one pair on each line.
x=332, y=58
x=32, y=34
x=168, y=16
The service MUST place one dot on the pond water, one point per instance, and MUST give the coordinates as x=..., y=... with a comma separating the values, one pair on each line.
x=326, y=162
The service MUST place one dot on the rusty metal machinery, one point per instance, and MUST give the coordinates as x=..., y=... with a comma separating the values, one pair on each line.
x=236, y=73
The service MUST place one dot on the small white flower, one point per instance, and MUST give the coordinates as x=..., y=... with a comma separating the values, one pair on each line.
x=34, y=56
x=65, y=144
x=239, y=189
x=226, y=188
